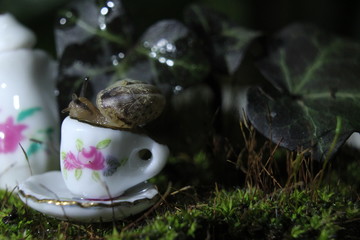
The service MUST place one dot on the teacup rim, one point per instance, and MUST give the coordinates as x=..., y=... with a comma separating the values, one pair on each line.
x=137, y=130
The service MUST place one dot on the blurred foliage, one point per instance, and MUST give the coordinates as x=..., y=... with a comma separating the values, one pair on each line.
x=339, y=17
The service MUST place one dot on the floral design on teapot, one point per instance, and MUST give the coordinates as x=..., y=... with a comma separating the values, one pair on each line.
x=11, y=133
x=92, y=158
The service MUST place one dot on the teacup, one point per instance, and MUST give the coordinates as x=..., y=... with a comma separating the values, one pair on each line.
x=102, y=163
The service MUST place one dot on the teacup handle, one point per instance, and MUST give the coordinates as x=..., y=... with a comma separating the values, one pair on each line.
x=152, y=166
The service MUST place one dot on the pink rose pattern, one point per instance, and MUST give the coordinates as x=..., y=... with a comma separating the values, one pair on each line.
x=70, y=162
x=90, y=158
x=10, y=135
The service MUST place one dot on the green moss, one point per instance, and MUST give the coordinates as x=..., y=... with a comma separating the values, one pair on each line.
x=198, y=208
x=251, y=214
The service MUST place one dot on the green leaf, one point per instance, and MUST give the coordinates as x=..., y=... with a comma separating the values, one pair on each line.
x=297, y=230
x=63, y=155
x=96, y=176
x=47, y=131
x=315, y=100
x=33, y=148
x=79, y=144
x=226, y=42
x=168, y=54
x=78, y=173
x=123, y=161
x=103, y=144
x=65, y=173
x=90, y=44
x=27, y=113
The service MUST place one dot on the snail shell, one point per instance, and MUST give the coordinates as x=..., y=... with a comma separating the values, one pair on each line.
x=130, y=103
x=125, y=104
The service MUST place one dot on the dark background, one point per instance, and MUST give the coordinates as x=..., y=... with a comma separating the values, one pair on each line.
x=338, y=17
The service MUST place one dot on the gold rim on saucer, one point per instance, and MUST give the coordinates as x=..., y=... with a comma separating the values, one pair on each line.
x=88, y=204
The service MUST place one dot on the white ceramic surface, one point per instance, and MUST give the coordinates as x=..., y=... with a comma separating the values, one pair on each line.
x=102, y=163
x=48, y=194
x=354, y=140
x=13, y=35
x=28, y=108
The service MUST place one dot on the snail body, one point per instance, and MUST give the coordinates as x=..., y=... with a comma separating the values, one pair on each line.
x=124, y=104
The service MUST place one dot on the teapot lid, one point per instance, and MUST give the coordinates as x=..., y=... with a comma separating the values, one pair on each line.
x=13, y=35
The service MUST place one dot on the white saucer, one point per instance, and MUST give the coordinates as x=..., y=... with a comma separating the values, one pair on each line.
x=47, y=193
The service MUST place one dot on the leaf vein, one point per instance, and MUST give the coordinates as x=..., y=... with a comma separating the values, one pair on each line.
x=318, y=62
x=285, y=70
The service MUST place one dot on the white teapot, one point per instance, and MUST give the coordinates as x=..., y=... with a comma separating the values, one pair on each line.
x=29, y=134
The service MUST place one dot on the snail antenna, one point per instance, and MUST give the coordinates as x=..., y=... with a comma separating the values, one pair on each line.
x=84, y=87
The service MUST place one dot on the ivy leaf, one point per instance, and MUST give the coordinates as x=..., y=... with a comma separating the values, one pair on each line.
x=103, y=144
x=226, y=42
x=79, y=145
x=27, y=113
x=78, y=173
x=91, y=38
x=315, y=100
x=168, y=55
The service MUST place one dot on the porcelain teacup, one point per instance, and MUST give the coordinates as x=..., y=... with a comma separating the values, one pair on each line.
x=102, y=163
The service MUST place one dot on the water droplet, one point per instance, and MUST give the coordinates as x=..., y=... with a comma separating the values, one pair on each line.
x=146, y=44
x=177, y=89
x=62, y=21
x=162, y=43
x=121, y=55
x=105, y=8
x=170, y=47
x=114, y=60
x=273, y=114
x=110, y=4
x=104, y=11
x=152, y=54
x=162, y=50
x=67, y=18
x=162, y=59
x=102, y=26
x=170, y=62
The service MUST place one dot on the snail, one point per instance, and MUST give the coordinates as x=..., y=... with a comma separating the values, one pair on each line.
x=125, y=104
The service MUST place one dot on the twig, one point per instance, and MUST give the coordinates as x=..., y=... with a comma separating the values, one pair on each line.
x=319, y=177
x=147, y=213
x=57, y=197
x=27, y=158
x=181, y=190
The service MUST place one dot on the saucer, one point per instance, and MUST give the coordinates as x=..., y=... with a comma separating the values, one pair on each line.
x=48, y=194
